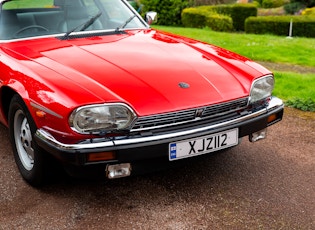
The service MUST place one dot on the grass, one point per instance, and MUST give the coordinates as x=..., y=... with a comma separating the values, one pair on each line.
x=298, y=51
x=297, y=90
x=29, y=4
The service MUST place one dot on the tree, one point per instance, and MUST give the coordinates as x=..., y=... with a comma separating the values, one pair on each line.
x=296, y=5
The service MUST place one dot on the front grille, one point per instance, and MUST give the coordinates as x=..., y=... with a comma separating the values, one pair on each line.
x=191, y=115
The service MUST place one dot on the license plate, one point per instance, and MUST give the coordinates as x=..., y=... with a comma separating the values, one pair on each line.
x=202, y=145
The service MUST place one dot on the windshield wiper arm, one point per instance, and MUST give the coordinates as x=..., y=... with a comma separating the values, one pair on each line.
x=125, y=23
x=91, y=21
x=84, y=25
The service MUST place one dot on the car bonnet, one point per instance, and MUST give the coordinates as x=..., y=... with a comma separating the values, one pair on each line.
x=151, y=71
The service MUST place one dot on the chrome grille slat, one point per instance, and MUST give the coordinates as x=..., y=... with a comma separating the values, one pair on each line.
x=185, y=116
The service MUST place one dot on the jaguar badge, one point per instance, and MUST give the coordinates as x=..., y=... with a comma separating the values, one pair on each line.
x=184, y=85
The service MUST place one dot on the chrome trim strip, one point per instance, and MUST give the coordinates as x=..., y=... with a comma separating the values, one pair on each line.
x=145, y=141
x=274, y=104
x=40, y=107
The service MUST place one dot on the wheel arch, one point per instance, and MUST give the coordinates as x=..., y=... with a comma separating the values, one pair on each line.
x=6, y=95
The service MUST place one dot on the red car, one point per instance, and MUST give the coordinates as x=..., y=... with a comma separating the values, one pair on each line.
x=89, y=83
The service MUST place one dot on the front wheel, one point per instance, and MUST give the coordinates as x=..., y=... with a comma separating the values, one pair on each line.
x=28, y=156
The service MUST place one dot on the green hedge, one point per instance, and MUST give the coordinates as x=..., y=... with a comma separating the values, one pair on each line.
x=169, y=11
x=273, y=3
x=309, y=11
x=219, y=22
x=194, y=17
x=303, y=26
x=199, y=18
x=238, y=13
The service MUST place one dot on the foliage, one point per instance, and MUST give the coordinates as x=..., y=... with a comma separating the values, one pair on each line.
x=273, y=3
x=303, y=26
x=219, y=22
x=293, y=8
x=309, y=11
x=134, y=4
x=305, y=105
x=209, y=2
x=306, y=3
x=194, y=17
x=238, y=13
x=271, y=11
x=297, y=5
x=169, y=11
x=199, y=18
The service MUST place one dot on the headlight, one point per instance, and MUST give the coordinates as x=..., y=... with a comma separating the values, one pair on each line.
x=261, y=89
x=102, y=118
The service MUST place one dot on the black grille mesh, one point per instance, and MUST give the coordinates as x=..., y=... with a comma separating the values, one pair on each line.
x=185, y=116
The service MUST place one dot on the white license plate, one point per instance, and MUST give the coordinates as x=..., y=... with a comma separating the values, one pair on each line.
x=202, y=145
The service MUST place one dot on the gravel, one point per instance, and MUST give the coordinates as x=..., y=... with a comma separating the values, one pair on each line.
x=265, y=185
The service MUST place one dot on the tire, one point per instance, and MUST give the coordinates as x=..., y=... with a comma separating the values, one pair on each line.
x=30, y=159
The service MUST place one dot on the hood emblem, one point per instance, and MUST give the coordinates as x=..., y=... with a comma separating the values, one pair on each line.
x=184, y=85
x=199, y=113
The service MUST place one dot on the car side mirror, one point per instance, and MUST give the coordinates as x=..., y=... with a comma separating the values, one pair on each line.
x=151, y=17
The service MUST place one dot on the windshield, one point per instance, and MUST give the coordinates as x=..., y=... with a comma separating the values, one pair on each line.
x=30, y=18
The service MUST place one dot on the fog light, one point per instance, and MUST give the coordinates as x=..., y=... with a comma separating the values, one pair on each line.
x=117, y=171
x=258, y=135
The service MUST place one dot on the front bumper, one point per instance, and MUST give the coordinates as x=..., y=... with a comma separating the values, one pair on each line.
x=149, y=147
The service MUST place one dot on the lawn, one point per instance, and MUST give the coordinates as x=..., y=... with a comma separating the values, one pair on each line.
x=29, y=4
x=298, y=90
x=299, y=51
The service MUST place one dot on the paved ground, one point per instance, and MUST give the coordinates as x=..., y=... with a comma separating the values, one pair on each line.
x=266, y=185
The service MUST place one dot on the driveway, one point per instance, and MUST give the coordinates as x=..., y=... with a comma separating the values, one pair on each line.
x=265, y=185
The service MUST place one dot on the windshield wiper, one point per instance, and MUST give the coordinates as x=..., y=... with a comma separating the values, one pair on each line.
x=84, y=25
x=119, y=28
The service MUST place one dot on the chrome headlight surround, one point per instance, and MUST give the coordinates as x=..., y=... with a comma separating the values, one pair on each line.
x=261, y=89
x=100, y=118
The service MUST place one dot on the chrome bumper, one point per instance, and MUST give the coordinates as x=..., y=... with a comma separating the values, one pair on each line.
x=44, y=137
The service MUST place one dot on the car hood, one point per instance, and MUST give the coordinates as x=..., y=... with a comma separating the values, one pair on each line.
x=151, y=71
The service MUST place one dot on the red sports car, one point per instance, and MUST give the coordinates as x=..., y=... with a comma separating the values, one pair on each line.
x=90, y=85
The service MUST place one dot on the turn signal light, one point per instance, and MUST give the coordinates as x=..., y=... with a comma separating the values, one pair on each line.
x=40, y=113
x=103, y=156
x=272, y=118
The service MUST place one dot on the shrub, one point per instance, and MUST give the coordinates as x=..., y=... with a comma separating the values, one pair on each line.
x=169, y=10
x=134, y=4
x=194, y=17
x=209, y=2
x=273, y=3
x=309, y=11
x=238, y=13
x=303, y=26
x=305, y=105
x=199, y=18
x=271, y=11
x=293, y=8
x=219, y=22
